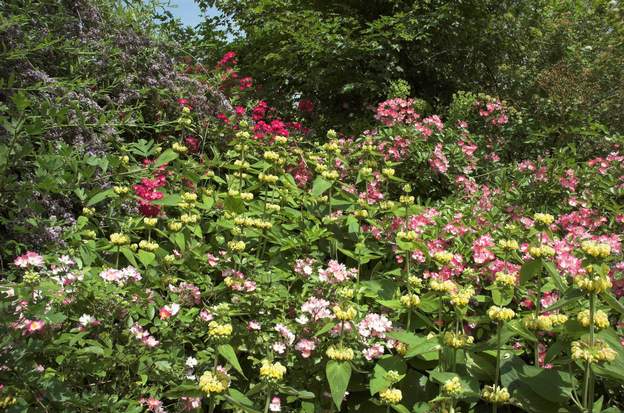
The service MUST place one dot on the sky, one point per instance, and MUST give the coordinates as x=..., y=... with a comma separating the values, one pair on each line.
x=188, y=11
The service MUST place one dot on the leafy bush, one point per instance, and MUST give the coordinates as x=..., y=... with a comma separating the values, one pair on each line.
x=217, y=255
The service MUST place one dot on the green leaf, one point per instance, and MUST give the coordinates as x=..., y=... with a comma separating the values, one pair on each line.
x=552, y=270
x=165, y=157
x=378, y=381
x=319, y=186
x=502, y=295
x=240, y=400
x=100, y=196
x=184, y=390
x=93, y=350
x=529, y=270
x=146, y=257
x=400, y=408
x=338, y=376
x=127, y=252
x=227, y=351
x=613, y=302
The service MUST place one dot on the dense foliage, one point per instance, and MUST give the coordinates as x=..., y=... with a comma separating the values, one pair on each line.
x=560, y=61
x=171, y=240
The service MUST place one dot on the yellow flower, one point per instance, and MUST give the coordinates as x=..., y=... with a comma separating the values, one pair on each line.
x=330, y=175
x=267, y=178
x=500, y=313
x=218, y=330
x=596, y=249
x=545, y=219
x=462, y=296
x=236, y=246
x=362, y=213
x=393, y=376
x=495, y=394
x=340, y=353
x=179, y=148
x=593, y=284
x=389, y=172
x=457, y=340
x=443, y=257
x=246, y=196
x=150, y=222
x=401, y=348
x=271, y=156
x=452, y=387
x=407, y=235
x=599, y=352
x=148, y=245
x=504, y=279
x=410, y=300
x=214, y=383
x=414, y=281
x=344, y=315
x=175, y=226
x=508, y=244
x=119, y=190
x=446, y=286
x=189, y=197
x=601, y=319
x=272, y=371
x=88, y=211
x=189, y=218
x=119, y=239
x=243, y=135
x=541, y=251
x=391, y=396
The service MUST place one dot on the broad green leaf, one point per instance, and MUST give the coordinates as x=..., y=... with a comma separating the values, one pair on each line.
x=319, y=186
x=227, y=351
x=502, y=296
x=612, y=302
x=556, y=277
x=529, y=270
x=100, y=196
x=378, y=381
x=165, y=157
x=338, y=376
x=240, y=400
x=146, y=257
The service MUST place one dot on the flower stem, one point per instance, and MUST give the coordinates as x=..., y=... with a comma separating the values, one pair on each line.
x=588, y=394
x=498, y=362
x=538, y=310
x=268, y=400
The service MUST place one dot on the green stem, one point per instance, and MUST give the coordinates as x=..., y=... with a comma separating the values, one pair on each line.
x=538, y=310
x=498, y=353
x=588, y=394
x=498, y=361
x=117, y=258
x=214, y=371
x=268, y=400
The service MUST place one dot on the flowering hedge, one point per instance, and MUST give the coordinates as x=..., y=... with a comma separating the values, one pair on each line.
x=240, y=265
